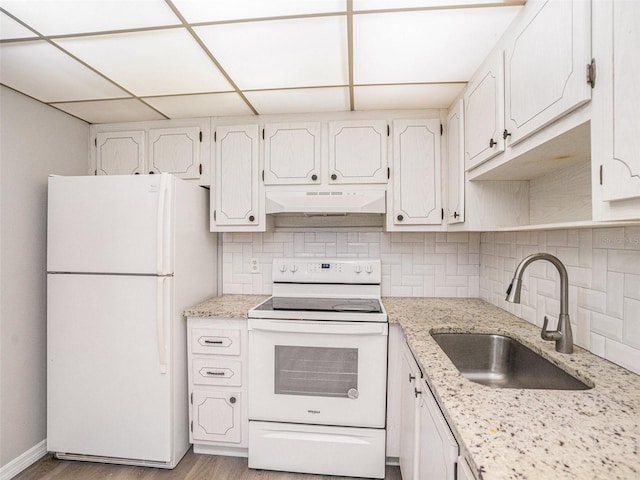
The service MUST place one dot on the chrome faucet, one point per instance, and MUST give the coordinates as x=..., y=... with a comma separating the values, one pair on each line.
x=562, y=336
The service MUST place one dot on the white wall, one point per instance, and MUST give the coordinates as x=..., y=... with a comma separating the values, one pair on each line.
x=35, y=141
x=604, y=284
x=413, y=264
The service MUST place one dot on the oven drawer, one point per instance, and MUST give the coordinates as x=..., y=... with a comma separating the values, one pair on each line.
x=215, y=341
x=353, y=452
x=217, y=372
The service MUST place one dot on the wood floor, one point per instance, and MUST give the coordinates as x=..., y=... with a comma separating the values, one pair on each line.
x=192, y=467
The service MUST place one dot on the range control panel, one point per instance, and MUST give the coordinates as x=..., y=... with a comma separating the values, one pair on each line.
x=327, y=270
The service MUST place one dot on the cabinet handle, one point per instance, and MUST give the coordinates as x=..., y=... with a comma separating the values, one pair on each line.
x=492, y=143
x=215, y=373
x=418, y=392
x=232, y=400
x=251, y=218
x=505, y=134
x=151, y=172
x=411, y=378
x=314, y=177
x=400, y=218
x=456, y=214
x=215, y=342
x=137, y=173
x=334, y=176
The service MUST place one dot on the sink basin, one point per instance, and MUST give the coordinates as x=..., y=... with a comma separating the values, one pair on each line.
x=502, y=362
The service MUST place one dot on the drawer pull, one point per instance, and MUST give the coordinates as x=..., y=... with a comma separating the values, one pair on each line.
x=214, y=342
x=215, y=373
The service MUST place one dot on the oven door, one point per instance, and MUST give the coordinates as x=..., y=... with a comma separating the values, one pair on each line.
x=328, y=373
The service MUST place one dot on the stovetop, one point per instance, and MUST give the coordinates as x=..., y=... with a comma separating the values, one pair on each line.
x=306, y=304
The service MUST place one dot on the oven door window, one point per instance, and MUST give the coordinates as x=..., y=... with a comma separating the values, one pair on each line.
x=316, y=371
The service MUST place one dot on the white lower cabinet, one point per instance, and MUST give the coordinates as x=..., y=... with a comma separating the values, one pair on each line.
x=217, y=350
x=428, y=449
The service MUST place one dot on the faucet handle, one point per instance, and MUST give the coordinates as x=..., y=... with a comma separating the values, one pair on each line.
x=552, y=335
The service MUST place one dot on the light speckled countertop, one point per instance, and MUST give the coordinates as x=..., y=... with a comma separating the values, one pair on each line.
x=512, y=433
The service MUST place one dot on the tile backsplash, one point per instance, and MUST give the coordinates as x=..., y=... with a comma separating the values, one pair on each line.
x=603, y=266
x=604, y=284
x=413, y=264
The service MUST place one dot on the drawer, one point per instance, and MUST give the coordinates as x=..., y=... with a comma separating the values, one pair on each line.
x=217, y=372
x=215, y=341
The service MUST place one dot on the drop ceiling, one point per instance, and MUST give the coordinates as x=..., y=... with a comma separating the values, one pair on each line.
x=130, y=60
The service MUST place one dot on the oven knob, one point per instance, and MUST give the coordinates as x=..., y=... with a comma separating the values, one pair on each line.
x=283, y=268
x=294, y=268
x=368, y=269
x=358, y=268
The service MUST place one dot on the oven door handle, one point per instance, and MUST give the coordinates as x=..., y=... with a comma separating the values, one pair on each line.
x=330, y=328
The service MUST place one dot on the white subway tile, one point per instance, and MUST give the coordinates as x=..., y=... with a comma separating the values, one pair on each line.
x=457, y=237
x=232, y=288
x=445, y=291
x=582, y=333
x=557, y=238
x=615, y=294
x=592, y=300
x=586, y=247
x=474, y=286
x=608, y=237
x=606, y=326
x=568, y=255
x=412, y=237
x=417, y=292
x=358, y=248
x=631, y=329
x=597, y=345
x=446, y=248
x=429, y=286
x=456, y=281
x=573, y=238
x=623, y=355
x=579, y=276
x=632, y=238
x=599, y=270
x=632, y=286
x=242, y=237
x=400, y=291
x=412, y=280
x=468, y=270
x=625, y=261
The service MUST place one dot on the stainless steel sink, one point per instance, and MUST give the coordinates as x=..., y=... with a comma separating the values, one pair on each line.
x=502, y=362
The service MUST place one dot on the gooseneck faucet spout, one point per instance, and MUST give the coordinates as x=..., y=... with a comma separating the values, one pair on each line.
x=563, y=335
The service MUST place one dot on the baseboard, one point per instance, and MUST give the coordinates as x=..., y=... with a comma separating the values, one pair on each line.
x=28, y=458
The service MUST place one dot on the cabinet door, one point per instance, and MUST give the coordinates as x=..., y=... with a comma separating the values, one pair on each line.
x=175, y=150
x=216, y=416
x=358, y=152
x=292, y=154
x=409, y=420
x=120, y=153
x=416, y=172
x=545, y=65
x=237, y=202
x=455, y=164
x=438, y=450
x=484, y=114
x=617, y=123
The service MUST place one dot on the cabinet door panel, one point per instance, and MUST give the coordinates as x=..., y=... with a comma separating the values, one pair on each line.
x=237, y=201
x=455, y=153
x=292, y=154
x=358, y=152
x=484, y=114
x=216, y=416
x=175, y=150
x=545, y=66
x=621, y=175
x=120, y=153
x=416, y=184
x=409, y=420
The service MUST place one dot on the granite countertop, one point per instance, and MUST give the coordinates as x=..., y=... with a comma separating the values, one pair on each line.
x=515, y=433
x=512, y=433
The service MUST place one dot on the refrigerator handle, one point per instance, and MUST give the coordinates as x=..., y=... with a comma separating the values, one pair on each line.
x=160, y=224
x=160, y=311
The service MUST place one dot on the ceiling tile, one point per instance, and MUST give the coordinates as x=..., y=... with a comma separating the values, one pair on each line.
x=9, y=28
x=359, y=5
x=207, y=105
x=110, y=111
x=196, y=11
x=159, y=62
x=24, y=66
x=399, y=97
x=74, y=16
x=283, y=53
x=301, y=100
x=430, y=46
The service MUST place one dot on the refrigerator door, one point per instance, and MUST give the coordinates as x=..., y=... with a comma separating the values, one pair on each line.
x=110, y=224
x=109, y=391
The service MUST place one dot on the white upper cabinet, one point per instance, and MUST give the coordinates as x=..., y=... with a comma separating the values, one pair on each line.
x=175, y=150
x=358, y=152
x=545, y=65
x=455, y=163
x=617, y=121
x=237, y=203
x=120, y=153
x=416, y=192
x=484, y=113
x=292, y=153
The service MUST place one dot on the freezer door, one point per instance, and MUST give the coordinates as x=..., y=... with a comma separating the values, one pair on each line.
x=110, y=224
x=109, y=391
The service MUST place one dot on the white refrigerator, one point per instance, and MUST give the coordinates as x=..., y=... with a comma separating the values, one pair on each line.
x=126, y=255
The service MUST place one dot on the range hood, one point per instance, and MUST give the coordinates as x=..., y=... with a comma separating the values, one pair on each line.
x=325, y=202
